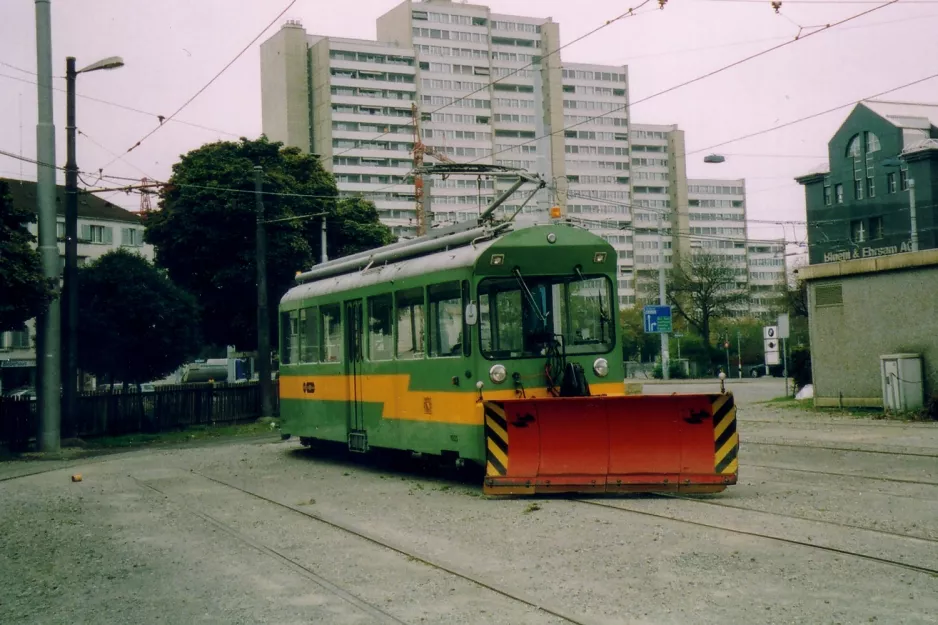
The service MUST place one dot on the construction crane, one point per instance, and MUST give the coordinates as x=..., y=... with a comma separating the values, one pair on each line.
x=420, y=149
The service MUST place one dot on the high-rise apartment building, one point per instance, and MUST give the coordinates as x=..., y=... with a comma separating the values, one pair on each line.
x=485, y=87
x=768, y=276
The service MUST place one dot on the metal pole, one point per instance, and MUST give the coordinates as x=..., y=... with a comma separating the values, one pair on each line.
x=739, y=353
x=662, y=299
x=785, y=366
x=48, y=323
x=726, y=346
x=323, y=256
x=70, y=282
x=263, y=316
x=913, y=216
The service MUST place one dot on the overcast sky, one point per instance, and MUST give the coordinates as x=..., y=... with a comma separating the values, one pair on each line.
x=172, y=48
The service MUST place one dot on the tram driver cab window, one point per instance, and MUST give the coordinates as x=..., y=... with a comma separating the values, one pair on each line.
x=331, y=333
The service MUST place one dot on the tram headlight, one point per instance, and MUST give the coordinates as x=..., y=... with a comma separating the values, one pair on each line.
x=601, y=367
x=498, y=374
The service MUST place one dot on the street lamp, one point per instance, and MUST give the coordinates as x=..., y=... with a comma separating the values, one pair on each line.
x=70, y=282
x=896, y=161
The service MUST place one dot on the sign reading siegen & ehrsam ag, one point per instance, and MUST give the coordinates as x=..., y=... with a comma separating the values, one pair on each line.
x=867, y=252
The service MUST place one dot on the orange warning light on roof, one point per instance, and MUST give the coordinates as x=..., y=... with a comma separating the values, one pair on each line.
x=555, y=212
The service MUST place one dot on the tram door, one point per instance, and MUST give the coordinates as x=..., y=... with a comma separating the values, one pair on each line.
x=354, y=349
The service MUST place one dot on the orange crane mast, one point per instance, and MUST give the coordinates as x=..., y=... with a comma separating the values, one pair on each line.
x=420, y=149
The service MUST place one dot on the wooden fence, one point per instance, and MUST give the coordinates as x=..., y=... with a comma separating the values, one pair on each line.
x=166, y=408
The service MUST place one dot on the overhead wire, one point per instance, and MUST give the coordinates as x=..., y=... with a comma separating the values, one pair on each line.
x=699, y=78
x=125, y=107
x=210, y=82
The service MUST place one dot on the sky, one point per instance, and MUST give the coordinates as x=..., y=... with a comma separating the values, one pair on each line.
x=173, y=48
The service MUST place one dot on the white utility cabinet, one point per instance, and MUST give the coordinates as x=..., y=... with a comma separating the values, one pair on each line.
x=903, y=390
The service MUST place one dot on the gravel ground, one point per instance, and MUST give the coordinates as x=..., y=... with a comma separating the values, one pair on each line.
x=148, y=537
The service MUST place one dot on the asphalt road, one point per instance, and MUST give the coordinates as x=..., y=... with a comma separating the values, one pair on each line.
x=833, y=521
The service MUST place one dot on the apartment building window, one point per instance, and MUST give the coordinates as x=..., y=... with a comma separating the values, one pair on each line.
x=858, y=232
x=19, y=339
x=904, y=180
x=132, y=237
x=839, y=193
x=97, y=234
x=870, y=188
x=827, y=196
x=876, y=228
x=891, y=183
x=858, y=189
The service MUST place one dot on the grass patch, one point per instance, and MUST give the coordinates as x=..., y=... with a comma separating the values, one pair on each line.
x=807, y=406
x=532, y=507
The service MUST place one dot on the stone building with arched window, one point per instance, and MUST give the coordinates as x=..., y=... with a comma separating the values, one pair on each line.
x=881, y=161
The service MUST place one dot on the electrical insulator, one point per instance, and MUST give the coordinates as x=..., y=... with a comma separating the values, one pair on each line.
x=661, y=4
x=777, y=4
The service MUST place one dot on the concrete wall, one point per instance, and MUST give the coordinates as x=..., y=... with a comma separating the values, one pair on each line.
x=284, y=87
x=887, y=312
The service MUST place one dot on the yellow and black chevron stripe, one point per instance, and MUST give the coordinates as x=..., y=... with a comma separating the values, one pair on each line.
x=726, y=440
x=496, y=440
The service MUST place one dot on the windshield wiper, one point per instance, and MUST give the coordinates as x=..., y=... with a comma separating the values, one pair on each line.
x=530, y=296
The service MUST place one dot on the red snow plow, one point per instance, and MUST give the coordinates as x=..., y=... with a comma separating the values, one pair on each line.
x=638, y=443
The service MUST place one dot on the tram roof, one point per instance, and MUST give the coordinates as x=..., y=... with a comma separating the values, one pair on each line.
x=432, y=263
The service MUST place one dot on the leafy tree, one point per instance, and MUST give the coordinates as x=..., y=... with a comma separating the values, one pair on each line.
x=204, y=232
x=26, y=292
x=636, y=345
x=703, y=288
x=134, y=324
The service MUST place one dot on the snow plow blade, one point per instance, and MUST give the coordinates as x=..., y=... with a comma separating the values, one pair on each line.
x=637, y=443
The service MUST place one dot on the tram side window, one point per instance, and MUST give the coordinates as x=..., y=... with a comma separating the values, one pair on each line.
x=410, y=326
x=331, y=333
x=446, y=326
x=288, y=337
x=380, y=324
x=309, y=335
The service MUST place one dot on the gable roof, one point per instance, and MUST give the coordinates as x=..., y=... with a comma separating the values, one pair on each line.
x=89, y=206
x=918, y=121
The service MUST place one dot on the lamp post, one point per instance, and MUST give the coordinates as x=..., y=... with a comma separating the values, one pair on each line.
x=70, y=282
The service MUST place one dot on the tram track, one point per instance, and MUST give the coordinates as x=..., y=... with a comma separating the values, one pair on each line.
x=376, y=540
x=790, y=541
x=877, y=478
x=377, y=613
x=842, y=449
x=795, y=517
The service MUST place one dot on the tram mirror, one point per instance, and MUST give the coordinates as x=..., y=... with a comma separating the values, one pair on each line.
x=472, y=313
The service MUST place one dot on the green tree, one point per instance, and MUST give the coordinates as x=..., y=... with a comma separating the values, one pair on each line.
x=636, y=345
x=26, y=292
x=703, y=288
x=134, y=324
x=204, y=232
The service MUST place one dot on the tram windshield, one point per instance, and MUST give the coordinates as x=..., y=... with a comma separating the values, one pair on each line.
x=520, y=316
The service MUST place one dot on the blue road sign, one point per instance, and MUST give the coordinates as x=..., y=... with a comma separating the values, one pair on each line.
x=657, y=319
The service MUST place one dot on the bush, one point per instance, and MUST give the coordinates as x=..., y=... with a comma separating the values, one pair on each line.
x=675, y=371
x=800, y=367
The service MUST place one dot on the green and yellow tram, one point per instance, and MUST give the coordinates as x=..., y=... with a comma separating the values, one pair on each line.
x=493, y=345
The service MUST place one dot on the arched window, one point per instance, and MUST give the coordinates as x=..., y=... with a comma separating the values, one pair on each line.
x=853, y=147
x=872, y=143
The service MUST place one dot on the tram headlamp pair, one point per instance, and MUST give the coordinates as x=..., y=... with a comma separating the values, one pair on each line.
x=499, y=374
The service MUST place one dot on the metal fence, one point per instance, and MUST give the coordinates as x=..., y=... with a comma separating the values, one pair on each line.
x=106, y=414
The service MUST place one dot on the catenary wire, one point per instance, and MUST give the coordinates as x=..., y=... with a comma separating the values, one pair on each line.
x=702, y=76
x=210, y=82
